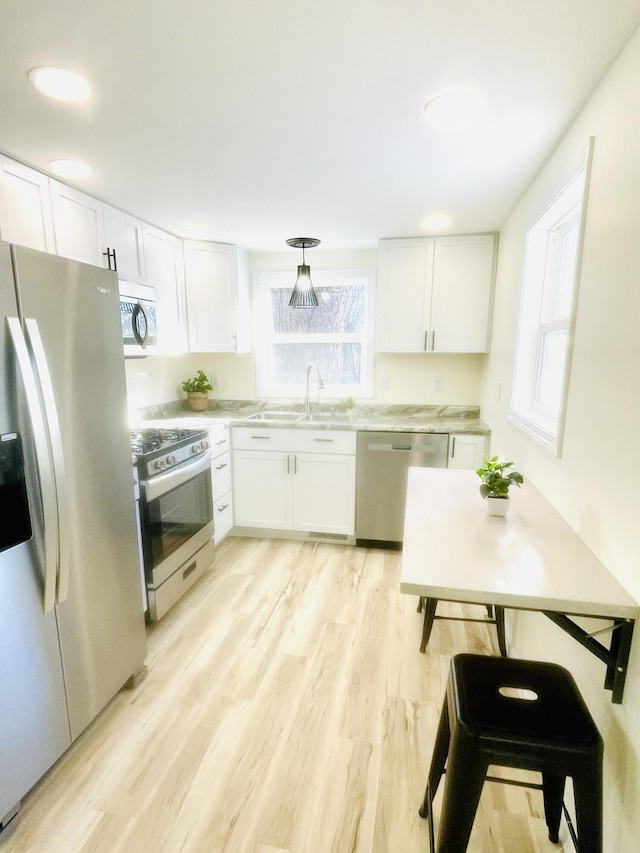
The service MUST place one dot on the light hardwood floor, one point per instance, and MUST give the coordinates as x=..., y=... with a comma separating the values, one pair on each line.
x=287, y=710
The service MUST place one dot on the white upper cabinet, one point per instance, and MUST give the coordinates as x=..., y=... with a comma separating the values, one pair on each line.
x=78, y=225
x=217, y=297
x=434, y=294
x=163, y=265
x=124, y=245
x=25, y=206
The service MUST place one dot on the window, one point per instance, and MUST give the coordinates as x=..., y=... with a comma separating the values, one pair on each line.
x=335, y=336
x=549, y=289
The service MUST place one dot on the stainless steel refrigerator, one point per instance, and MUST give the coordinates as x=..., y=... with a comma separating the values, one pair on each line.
x=71, y=618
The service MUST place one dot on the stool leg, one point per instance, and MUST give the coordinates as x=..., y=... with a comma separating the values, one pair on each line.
x=438, y=759
x=502, y=641
x=463, y=786
x=552, y=792
x=421, y=600
x=587, y=789
x=430, y=605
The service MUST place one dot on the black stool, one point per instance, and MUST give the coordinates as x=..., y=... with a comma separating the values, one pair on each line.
x=495, y=616
x=483, y=723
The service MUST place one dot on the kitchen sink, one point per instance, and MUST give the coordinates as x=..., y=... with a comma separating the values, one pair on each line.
x=292, y=417
x=330, y=418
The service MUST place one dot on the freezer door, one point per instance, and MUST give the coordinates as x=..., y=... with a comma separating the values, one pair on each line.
x=34, y=726
x=73, y=309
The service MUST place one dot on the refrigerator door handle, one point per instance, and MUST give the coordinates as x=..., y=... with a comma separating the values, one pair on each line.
x=55, y=439
x=44, y=462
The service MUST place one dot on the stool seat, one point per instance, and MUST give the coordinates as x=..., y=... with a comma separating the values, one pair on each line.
x=514, y=713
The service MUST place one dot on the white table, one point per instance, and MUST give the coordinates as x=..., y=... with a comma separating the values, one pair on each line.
x=529, y=560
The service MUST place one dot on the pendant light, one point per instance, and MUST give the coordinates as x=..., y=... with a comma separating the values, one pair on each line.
x=303, y=296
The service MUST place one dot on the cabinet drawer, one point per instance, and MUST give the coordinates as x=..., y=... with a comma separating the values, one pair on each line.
x=222, y=517
x=220, y=441
x=221, y=474
x=295, y=440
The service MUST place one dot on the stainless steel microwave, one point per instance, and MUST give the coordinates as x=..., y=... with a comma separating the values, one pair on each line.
x=138, y=318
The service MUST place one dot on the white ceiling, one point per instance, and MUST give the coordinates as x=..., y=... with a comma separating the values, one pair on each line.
x=251, y=121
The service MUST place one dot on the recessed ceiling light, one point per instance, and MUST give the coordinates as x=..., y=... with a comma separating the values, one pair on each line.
x=436, y=222
x=60, y=84
x=70, y=168
x=453, y=110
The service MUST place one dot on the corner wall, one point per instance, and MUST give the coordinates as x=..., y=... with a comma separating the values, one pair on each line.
x=595, y=483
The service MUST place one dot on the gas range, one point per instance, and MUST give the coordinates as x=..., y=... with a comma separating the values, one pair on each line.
x=157, y=451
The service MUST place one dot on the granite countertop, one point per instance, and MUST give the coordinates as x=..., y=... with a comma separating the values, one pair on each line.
x=396, y=418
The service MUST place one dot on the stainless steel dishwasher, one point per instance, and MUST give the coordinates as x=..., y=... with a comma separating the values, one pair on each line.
x=383, y=462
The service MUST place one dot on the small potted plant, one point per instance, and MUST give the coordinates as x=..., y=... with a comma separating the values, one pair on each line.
x=197, y=390
x=496, y=479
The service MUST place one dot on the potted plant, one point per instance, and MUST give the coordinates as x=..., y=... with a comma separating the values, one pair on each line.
x=496, y=479
x=197, y=390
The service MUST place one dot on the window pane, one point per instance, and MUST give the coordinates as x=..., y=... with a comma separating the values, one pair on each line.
x=551, y=371
x=340, y=364
x=567, y=253
x=341, y=310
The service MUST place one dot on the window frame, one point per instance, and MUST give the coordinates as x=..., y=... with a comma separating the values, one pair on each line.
x=539, y=298
x=266, y=387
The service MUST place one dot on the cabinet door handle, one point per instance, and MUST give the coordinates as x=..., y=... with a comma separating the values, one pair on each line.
x=295, y=464
x=223, y=507
x=330, y=440
x=453, y=446
x=262, y=437
x=288, y=464
x=426, y=341
x=433, y=341
x=109, y=254
x=222, y=441
x=235, y=341
x=220, y=467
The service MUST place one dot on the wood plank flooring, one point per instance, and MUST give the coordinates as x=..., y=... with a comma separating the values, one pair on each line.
x=287, y=710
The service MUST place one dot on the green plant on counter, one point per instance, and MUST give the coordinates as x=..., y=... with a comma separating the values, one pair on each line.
x=349, y=402
x=199, y=384
x=496, y=478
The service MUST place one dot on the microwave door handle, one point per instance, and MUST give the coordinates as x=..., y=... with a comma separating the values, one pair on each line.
x=138, y=312
x=43, y=462
x=55, y=438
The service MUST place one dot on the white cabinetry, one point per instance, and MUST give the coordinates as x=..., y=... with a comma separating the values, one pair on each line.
x=222, y=481
x=295, y=480
x=217, y=296
x=25, y=206
x=123, y=242
x=434, y=294
x=78, y=225
x=164, y=269
x=466, y=451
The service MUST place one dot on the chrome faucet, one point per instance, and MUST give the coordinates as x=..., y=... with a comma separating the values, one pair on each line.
x=320, y=386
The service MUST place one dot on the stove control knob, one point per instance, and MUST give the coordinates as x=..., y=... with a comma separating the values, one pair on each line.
x=205, y=444
x=196, y=448
x=171, y=460
x=159, y=464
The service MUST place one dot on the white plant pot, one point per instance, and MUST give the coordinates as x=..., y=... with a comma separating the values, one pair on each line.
x=498, y=506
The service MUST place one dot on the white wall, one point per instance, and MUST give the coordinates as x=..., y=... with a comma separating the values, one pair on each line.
x=398, y=378
x=595, y=483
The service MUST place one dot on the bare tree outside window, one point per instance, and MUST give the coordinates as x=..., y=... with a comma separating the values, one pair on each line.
x=334, y=336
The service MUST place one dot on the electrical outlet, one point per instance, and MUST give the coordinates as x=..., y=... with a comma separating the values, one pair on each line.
x=215, y=383
x=131, y=386
x=383, y=382
x=438, y=383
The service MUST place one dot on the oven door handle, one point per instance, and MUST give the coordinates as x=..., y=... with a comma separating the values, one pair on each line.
x=163, y=483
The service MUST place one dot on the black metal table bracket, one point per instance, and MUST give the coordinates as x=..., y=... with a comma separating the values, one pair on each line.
x=616, y=657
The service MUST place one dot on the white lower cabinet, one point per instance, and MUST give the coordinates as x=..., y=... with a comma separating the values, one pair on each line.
x=221, y=480
x=466, y=451
x=295, y=480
